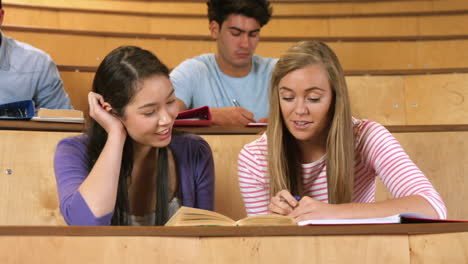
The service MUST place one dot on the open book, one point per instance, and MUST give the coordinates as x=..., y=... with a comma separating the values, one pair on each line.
x=393, y=219
x=59, y=115
x=187, y=216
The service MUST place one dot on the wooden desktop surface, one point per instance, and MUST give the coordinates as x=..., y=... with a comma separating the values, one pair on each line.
x=240, y=231
x=71, y=127
x=388, y=243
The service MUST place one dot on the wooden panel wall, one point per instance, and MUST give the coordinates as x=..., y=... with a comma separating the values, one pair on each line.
x=421, y=99
x=437, y=248
x=28, y=195
x=390, y=248
x=433, y=99
x=229, y=250
x=78, y=85
x=318, y=249
x=110, y=249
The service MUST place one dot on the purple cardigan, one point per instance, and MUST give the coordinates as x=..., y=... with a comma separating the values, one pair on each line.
x=195, y=169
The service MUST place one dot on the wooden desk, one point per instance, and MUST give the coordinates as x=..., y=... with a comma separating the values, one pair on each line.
x=71, y=127
x=41, y=126
x=394, y=243
x=213, y=130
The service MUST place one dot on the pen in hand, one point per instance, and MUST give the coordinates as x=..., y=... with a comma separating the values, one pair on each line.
x=234, y=101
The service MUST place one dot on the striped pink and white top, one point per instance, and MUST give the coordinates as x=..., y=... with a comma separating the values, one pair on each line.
x=377, y=153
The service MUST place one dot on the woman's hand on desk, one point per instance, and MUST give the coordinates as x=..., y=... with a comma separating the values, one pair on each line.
x=102, y=112
x=282, y=203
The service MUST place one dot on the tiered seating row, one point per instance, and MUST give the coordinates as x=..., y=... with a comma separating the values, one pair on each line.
x=366, y=36
x=281, y=8
x=432, y=99
x=378, y=25
x=357, y=55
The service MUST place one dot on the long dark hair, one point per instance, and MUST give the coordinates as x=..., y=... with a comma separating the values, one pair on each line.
x=117, y=79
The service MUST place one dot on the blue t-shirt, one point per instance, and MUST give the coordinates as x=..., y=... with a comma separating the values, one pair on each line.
x=27, y=73
x=199, y=81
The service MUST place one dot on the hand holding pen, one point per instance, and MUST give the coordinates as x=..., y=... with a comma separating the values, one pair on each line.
x=283, y=203
x=245, y=113
x=232, y=116
x=234, y=101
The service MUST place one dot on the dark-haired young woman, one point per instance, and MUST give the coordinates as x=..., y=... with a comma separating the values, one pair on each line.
x=131, y=168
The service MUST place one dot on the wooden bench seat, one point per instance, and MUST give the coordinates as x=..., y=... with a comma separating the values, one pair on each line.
x=377, y=25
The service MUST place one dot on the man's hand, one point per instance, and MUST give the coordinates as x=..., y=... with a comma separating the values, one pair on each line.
x=232, y=116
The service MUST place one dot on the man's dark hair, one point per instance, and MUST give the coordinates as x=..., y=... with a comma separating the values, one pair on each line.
x=219, y=10
x=0, y=4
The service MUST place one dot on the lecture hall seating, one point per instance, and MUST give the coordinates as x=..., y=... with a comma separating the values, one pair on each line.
x=404, y=68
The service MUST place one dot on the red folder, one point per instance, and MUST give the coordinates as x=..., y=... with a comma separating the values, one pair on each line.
x=200, y=116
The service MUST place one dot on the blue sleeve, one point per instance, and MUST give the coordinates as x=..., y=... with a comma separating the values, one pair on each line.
x=71, y=169
x=184, y=77
x=50, y=92
x=205, y=178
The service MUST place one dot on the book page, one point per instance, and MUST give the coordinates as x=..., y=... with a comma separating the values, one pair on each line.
x=256, y=124
x=59, y=115
x=45, y=112
x=266, y=220
x=187, y=216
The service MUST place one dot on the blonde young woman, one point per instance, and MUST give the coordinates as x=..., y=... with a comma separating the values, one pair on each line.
x=316, y=161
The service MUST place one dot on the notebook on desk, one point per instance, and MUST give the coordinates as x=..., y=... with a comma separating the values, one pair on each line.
x=405, y=218
x=200, y=116
x=256, y=125
x=59, y=115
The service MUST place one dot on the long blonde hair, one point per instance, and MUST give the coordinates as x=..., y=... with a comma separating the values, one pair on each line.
x=284, y=166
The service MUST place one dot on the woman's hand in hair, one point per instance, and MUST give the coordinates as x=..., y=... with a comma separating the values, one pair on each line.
x=309, y=208
x=282, y=203
x=102, y=112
